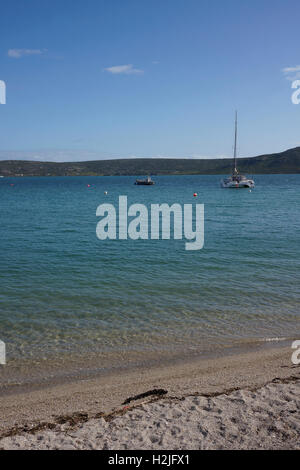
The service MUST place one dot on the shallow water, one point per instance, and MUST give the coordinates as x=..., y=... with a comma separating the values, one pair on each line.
x=64, y=293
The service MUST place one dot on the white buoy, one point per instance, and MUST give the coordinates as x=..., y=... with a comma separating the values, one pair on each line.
x=105, y=192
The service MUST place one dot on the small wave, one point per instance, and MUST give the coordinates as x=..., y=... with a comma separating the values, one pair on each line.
x=273, y=339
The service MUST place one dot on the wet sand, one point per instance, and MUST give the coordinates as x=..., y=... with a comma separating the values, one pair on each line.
x=246, y=400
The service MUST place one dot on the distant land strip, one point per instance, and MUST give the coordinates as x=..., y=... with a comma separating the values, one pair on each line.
x=284, y=162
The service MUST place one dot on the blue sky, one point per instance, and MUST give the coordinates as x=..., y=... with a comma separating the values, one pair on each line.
x=122, y=78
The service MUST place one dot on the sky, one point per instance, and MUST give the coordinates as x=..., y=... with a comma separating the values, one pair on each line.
x=93, y=79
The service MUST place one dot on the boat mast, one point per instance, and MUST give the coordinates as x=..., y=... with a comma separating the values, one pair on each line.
x=235, y=141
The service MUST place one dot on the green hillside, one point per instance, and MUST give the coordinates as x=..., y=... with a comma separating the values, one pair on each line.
x=284, y=162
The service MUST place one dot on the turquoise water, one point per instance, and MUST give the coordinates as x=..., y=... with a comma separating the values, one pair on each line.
x=63, y=292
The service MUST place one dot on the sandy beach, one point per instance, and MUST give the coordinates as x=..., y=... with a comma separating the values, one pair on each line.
x=242, y=401
x=150, y=220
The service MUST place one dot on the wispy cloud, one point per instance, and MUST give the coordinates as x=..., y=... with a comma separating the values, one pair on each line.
x=56, y=155
x=17, y=53
x=292, y=73
x=123, y=69
x=80, y=155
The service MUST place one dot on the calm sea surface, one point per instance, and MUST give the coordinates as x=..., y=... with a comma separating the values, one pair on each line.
x=68, y=298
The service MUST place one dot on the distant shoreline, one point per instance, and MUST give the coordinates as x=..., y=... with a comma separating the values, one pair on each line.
x=287, y=162
x=140, y=174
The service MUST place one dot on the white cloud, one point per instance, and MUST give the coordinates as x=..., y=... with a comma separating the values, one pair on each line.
x=71, y=155
x=17, y=53
x=56, y=155
x=123, y=69
x=292, y=73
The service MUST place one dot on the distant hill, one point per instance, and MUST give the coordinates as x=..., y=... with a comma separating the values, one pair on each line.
x=284, y=162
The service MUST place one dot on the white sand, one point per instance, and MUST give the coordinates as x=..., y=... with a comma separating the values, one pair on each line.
x=268, y=418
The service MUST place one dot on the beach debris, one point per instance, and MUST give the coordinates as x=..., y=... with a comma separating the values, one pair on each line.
x=28, y=428
x=155, y=391
x=73, y=419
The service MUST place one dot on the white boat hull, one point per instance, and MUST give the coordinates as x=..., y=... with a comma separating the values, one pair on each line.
x=232, y=184
x=236, y=180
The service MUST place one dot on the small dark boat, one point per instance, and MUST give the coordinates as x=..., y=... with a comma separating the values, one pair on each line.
x=147, y=182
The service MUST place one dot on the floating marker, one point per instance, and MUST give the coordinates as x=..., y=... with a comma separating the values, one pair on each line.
x=195, y=194
x=105, y=192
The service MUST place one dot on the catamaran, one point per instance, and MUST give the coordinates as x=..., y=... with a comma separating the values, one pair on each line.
x=236, y=180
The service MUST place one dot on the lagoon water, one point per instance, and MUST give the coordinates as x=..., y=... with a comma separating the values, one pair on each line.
x=67, y=296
